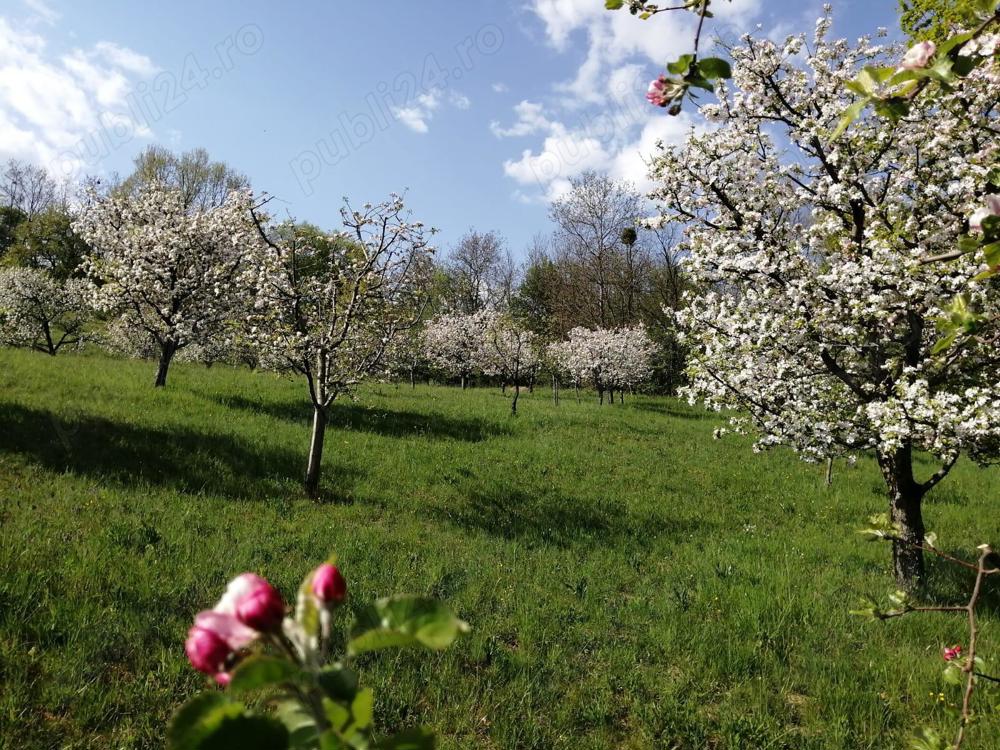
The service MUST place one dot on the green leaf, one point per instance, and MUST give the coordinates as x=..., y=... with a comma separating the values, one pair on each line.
x=714, y=67
x=928, y=739
x=850, y=115
x=363, y=708
x=418, y=738
x=405, y=621
x=193, y=720
x=247, y=733
x=257, y=672
x=613, y=4
x=210, y=721
x=680, y=66
x=953, y=674
x=339, y=683
x=301, y=726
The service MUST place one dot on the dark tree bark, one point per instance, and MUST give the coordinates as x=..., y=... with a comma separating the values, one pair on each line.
x=320, y=419
x=905, y=496
x=513, y=401
x=167, y=351
x=463, y=382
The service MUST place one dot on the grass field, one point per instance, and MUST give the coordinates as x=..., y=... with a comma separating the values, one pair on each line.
x=631, y=583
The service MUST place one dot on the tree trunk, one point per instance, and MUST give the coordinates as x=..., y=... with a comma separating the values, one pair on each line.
x=316, y=450
x=463, y=382
x=904, y=509
x=413, y=378
x=555, y=391
x=600, y=396
x=50, y=346
x=503, y=388
x=829, y=470
x=513, y=401
x=167, y=352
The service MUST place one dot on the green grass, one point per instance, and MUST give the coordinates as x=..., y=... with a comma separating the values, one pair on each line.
x=631, y=583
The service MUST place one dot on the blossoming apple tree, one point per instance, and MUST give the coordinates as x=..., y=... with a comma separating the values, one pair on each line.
x=166, y=271
x=507, y=351
x=40, y=312
x=328, y=306
x=452, y=343
x=609, y=359
x=817, y=319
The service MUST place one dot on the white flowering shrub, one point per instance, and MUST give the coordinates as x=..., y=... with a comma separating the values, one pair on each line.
x=329, y=306
x=168, y=273
x=817, y=319
x=39, y=312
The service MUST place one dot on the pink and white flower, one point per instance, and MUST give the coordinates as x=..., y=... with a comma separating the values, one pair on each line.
x=918, y=56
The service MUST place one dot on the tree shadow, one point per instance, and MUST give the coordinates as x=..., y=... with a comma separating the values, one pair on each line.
x=556, y=520
x=951, y=585
x=669, y=410
x=180, y=459
x=361, y=418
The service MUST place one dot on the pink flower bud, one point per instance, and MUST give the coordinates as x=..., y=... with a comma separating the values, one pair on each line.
x=918, y=56
x=992, y=208
x=328, y=584
x=950, y=654
x=657, y=92
x=206, y=650
x=252, y=601
x=262, y=609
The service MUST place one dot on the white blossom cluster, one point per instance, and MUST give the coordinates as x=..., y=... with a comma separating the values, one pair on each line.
x=328, y=308
x=40, y=312
x=618, y=358
x=452, y=343
x=506, y=350
x=815, y=314
x=168, y=273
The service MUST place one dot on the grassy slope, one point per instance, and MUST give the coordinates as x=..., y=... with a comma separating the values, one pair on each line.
x=631, y=582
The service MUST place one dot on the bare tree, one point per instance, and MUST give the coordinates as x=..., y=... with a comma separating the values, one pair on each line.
x=203, y=184
x=590, y=221
x=473, y=266
x=27, y=188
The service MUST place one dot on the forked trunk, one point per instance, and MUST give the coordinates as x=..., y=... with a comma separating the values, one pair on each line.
x=167, y=352
x=316, y=450
x=905, y=496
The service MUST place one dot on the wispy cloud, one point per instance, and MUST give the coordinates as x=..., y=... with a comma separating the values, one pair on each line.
x=40, y=11
x=418, y=114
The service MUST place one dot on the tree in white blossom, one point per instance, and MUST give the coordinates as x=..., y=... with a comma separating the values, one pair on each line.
x=507, y=351
x=452, y=343
x=40, y=312
x=329, y=306
x=608, y=359
x=817, y=319
x=166, y=270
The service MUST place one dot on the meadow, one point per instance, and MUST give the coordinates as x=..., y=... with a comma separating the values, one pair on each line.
x=630, y=581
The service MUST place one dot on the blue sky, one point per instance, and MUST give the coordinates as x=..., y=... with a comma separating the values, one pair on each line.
x=481, y=110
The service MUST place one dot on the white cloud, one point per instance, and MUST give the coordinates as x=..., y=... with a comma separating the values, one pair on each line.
x=40, y=11
x=65, y=113
x=599, y=119
x=417, y=115
x=459, y=101
x=530, y=119
x=500, y=88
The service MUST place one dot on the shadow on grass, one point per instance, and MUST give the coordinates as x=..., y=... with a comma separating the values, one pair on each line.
x=551, y=519
x=389, y=423
x=678, y=412
x=179, y=459
x=950, y=585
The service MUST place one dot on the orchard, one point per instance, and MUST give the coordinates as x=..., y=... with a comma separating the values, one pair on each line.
x=763, y=258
